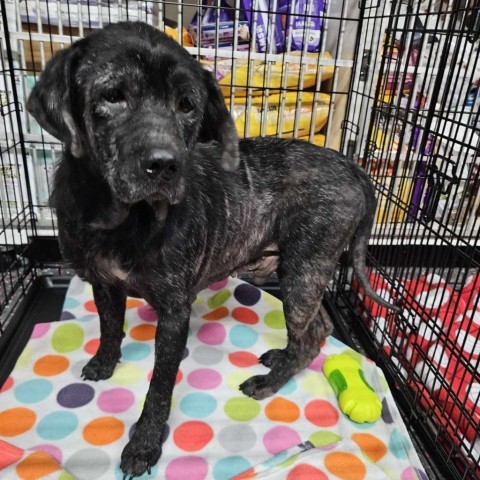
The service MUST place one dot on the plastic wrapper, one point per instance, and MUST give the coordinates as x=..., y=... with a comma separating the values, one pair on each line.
x=386, y=213
x=318, y=139
x=172, y=32
x=259, y=109
x=278, y=75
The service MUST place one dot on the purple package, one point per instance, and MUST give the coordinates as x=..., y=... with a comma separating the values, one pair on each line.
x=263, y=10
x=417, y=193
x=305, y=14
x=420, y=176
x=208, y=13
x=283, y=6
x=210, y=33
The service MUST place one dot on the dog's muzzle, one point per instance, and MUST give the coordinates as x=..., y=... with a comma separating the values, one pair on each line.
x=151, y=160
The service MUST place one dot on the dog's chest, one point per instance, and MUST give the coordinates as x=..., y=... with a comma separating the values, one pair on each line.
x=110, y=269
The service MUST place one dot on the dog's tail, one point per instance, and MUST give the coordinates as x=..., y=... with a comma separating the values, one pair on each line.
x=358, y=249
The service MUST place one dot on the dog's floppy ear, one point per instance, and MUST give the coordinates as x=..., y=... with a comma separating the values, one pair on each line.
x=218, y=124
x=50, y=101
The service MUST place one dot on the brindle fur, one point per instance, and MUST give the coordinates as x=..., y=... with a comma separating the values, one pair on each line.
x=129, y=104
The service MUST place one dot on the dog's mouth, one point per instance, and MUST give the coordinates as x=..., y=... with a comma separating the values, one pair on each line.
x=172, y=193
x=130, y=190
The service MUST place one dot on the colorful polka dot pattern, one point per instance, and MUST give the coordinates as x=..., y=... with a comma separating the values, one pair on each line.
x=77, y=429
x=340, y=459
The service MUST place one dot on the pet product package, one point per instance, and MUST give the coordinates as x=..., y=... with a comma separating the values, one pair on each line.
x=273, y=112
x=400, y=56
x=13, y=184
x=204, y=31
x=89, y=13
x=263, y=15
x=251, y=76
x=304, y=20
x=7, y=104
x=318, y=139
x=184, y=38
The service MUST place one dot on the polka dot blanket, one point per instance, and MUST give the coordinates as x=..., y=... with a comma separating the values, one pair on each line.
x=54, y=425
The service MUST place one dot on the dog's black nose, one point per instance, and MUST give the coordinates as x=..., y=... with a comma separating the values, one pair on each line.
x=160, y=163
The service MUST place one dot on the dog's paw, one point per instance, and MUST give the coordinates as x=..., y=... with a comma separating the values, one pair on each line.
x=98, y=369
x=139, y=456
x=271, y=358
x=258, y=387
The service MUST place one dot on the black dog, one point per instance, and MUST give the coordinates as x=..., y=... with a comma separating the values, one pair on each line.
x=155, y=196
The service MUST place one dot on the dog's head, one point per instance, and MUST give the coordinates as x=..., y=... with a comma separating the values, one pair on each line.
x=133, y=104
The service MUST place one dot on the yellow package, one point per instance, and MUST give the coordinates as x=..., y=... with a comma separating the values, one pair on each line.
x=393, y=213
x=278, y=75
x=273, y=111
x=379, y=137
x=318, y=139
x=400, y=213
x=186, y=37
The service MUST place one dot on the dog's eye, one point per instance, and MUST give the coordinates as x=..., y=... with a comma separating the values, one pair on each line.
x=185, y=105
x=113, y=96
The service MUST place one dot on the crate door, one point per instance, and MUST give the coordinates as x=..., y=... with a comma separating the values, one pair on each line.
x=413, y=123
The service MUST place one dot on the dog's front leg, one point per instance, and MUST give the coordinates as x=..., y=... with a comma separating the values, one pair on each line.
x=110, y=301
x=145, y=446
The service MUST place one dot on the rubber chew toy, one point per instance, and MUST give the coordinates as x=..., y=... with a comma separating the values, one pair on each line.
x=355, y=396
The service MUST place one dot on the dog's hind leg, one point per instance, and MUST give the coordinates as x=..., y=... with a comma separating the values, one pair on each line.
x=110, y=301
x=302, y=291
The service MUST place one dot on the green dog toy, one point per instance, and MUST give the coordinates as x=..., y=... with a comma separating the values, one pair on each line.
x=355, y=396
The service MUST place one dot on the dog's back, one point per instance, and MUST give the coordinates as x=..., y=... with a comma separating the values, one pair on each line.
x=282, y=185
x=283, y=189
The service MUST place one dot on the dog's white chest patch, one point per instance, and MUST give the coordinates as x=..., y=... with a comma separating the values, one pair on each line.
x=119, y=273
x=109, y=268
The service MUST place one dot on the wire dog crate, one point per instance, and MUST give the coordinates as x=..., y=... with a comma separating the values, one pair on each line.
x=279, y=77
x=414, y=126
x=394, y=85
